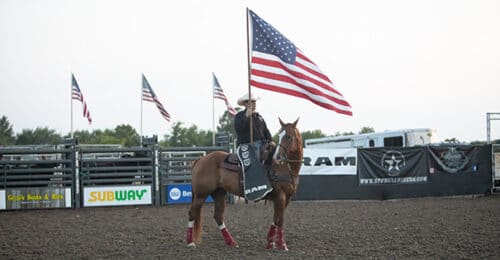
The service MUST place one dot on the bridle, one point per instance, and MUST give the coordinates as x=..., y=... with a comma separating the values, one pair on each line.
x=282, y=158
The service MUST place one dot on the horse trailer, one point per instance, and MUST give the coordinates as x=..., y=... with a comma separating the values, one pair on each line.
x=397, y=138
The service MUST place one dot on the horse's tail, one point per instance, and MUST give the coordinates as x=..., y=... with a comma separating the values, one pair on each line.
x=197, y=225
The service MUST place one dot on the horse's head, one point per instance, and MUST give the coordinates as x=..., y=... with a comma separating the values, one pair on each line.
x=289, y=144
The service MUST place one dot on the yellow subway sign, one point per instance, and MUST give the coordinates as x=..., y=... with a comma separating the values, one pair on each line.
x=117, y=195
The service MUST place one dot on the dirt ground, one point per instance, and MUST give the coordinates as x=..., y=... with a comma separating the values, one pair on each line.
x=422, y=228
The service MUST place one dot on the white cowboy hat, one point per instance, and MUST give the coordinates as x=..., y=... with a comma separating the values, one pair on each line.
x=244, y=98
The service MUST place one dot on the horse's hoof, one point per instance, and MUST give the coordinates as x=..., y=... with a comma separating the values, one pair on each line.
x=192, y=245
x=282, y=247
x=233, y=244
x=270, y=245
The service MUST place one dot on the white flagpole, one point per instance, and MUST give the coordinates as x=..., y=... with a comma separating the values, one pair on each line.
x=213, y=112
x=71, y=103
x=142, y=82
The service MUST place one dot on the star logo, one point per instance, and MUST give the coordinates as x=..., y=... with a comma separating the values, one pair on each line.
x=393, y=162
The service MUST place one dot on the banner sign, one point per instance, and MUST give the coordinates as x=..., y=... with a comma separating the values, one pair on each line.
x=392, y=166
x=117, y=195
x=181, y=193
x=329, y=161
x=454, y=159
x=35, y=198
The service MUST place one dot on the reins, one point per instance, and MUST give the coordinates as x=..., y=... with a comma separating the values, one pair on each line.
x=283, y=158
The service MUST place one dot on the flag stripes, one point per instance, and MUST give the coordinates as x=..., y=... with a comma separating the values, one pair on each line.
x=76, y=94
x=219, y=94
x=277, y=65
x=149, y=95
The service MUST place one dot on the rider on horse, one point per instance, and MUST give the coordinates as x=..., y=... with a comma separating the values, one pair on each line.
x=262, y=138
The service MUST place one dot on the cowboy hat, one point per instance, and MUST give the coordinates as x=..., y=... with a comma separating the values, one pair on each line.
x=245, y=98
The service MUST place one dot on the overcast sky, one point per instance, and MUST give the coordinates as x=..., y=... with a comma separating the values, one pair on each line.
x=400, y=64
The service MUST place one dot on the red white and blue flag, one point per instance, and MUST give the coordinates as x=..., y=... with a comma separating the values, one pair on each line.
x=76, y=94
x=149, y=95
x=278, y=65
x=219, y=93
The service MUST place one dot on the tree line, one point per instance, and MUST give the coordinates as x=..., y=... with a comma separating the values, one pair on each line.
x=125, y=135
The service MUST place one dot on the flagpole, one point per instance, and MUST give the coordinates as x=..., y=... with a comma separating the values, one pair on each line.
x=213, y=111
x=142, y=83
x=71, y=104
x=249, y=68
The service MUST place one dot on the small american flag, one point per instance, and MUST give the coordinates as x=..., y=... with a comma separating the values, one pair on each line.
x=77, y=95
x=277, y=65
x=219, y=93
x=149, y=95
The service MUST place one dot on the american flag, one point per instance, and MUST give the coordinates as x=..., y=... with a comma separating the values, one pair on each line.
x=219, y=93
x=278, y=65
x=77, y=95
x=149, y=95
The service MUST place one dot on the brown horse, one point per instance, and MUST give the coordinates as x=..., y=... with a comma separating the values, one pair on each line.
x=209, y=178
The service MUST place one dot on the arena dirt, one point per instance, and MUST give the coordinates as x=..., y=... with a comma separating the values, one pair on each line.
x=421, y=228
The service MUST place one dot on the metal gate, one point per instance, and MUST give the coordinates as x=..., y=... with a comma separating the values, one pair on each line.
x=116, y=177
x=175, y=171
x=496, y=167
x=34, y=177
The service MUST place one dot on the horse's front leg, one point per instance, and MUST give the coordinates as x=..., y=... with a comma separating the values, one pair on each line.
x=219, y=197
x=276, y=232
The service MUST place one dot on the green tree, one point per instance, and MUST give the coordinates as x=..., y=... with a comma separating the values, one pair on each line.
x=6, y=132
x=127, y=135
x=343, y=133
x=367, y=129
x=312, y=134
x=38, y=136
x=191, y=136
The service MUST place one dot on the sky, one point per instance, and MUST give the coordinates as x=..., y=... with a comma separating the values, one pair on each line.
x=400, y=64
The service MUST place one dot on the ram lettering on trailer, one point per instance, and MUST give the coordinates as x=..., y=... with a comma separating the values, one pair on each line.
x=324, y=160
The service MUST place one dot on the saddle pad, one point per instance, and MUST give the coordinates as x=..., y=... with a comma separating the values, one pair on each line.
x=256, y=182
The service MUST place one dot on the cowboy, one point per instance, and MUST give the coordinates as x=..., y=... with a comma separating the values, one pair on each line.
x=262, y=138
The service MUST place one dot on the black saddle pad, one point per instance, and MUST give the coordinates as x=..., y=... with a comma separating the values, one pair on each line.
x=256, y=182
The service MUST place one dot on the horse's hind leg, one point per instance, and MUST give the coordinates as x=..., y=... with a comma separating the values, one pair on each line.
x=194, y=225
x=219, y=196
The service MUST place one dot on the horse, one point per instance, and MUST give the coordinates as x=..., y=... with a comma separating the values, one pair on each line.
x=209, y=178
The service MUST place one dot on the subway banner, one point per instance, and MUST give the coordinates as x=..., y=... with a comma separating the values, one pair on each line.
x=35, y=198
x=392, y=166
x=457, y=159
x=117, y=195
x=329, y=162
x=181, y=193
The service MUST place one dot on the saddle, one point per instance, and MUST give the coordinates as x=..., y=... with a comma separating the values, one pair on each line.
x=254, y=176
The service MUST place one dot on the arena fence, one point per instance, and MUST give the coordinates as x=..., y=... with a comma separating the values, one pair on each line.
x=37, y=178
x=175, y=171
x=496, y=167
x=72, y=176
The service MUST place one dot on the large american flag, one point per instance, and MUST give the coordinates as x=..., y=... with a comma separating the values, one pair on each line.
x=77, y=95
x=219, y=93
x=278, y=65
x=149, y=95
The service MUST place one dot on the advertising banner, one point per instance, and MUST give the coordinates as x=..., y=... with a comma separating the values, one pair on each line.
x=35, y=198
x=329, y=161
x=455, y=159
x=392, y=166
x=181, y=193
x=117, y=195
x=2, y=199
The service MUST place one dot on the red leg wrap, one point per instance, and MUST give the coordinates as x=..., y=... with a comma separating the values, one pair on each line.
x=189, y=235
x=271, y=236
x=228, y=239
x=281, y=240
